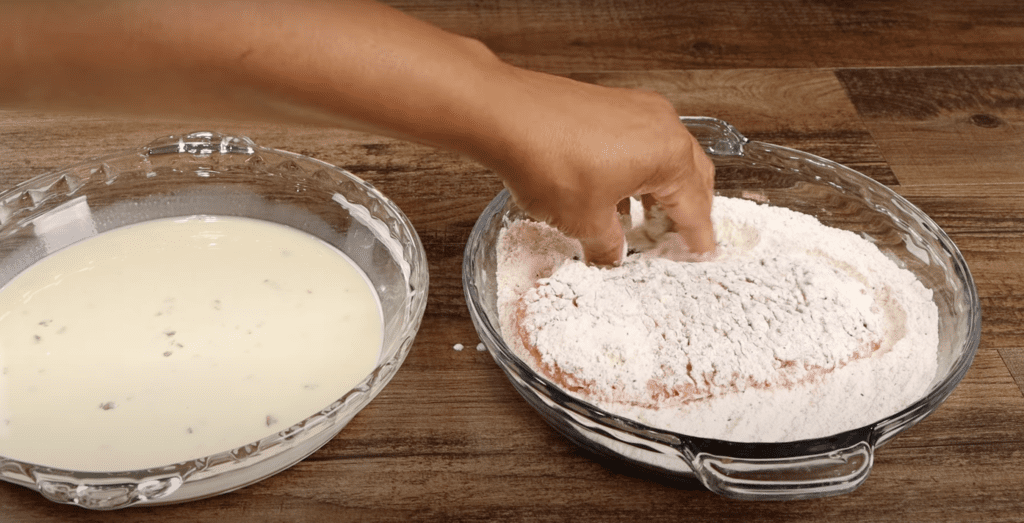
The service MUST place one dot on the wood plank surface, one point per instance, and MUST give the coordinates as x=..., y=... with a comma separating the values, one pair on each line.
x=944, y=125
x=610, y=35
x=925, y=97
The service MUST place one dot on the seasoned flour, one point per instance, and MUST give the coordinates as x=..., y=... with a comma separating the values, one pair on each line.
x=795, y=330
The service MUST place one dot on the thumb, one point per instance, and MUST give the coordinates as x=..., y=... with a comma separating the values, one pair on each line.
x=606, y=248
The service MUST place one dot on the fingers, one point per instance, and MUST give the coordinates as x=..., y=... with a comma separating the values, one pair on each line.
x=608, y=248
x=705, y=167
x=688, y=205
x=696, y=231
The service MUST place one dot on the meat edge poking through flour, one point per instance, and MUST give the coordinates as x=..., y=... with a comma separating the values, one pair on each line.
x=795, y=330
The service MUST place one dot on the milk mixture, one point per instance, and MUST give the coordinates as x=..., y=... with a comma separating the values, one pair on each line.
x=176, y=339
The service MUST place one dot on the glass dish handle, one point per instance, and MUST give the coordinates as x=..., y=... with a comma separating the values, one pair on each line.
x=800, y=477
x=115, y=495
x=717, y=137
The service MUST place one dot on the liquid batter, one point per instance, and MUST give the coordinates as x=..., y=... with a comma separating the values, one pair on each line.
x=176, y=339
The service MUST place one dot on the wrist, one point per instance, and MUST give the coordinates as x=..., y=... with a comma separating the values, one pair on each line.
x=501, y=118
x=480, y=120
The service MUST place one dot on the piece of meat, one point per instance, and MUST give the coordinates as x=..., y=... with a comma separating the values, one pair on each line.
x=660, y=394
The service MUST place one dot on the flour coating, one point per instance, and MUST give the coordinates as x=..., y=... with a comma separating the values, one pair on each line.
x=795, y=330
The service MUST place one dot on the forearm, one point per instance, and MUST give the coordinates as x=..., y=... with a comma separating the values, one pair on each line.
x=357, y=64
x=568, y=151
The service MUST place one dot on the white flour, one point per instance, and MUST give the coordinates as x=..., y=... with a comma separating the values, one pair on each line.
x=794, y=331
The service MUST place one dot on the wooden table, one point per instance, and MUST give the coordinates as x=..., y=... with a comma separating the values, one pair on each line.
x=926, y=97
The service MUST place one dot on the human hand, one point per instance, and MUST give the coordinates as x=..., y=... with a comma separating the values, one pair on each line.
x=567, y=151
x=575, y=150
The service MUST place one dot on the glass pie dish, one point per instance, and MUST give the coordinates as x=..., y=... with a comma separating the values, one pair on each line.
x=210, y=174
x=837, y=196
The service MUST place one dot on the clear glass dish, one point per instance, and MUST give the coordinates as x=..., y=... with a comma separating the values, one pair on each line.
x=837, y=196
x=212, y=174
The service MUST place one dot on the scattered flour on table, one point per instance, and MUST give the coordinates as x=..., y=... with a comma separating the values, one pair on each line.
x=479, y=347
x=795, y=330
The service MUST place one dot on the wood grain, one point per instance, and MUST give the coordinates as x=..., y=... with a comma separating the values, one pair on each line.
x=608, y=35
x=944, y=125
x=1013, y=358
x=925, y=97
